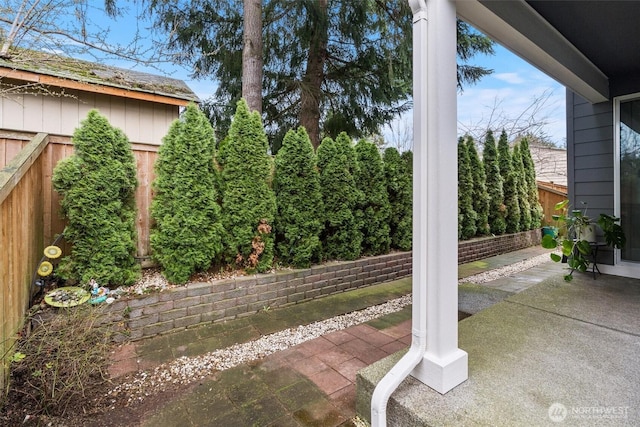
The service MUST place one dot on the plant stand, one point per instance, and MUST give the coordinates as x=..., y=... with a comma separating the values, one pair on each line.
x=593, y=258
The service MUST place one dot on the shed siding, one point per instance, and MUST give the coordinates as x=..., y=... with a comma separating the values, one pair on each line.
x=142, y=121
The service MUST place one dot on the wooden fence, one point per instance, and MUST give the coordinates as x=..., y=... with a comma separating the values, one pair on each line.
x=30, y=218
x=21, y=235
x=60, y=147
x=550, y=194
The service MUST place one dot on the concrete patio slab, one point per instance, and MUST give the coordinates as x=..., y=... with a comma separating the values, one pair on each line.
x=556, y=352
x=609, y=301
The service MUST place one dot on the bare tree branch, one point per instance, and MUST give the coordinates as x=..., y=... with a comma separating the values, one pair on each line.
x=531, y=121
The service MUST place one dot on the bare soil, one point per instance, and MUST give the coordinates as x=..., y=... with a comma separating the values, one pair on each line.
x=97, y=408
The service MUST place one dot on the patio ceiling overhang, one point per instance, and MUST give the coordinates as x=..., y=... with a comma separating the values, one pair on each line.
x=584, y=45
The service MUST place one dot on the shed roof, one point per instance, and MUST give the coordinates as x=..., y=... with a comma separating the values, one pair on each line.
x=70, y=73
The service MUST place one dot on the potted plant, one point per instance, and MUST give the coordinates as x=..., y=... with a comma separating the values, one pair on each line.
x=577, y=233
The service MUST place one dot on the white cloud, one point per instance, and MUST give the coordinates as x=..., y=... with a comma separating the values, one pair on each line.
x=510, y=78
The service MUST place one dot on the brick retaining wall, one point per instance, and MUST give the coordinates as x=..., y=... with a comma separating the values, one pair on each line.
x=199, y=303
x=485, y=247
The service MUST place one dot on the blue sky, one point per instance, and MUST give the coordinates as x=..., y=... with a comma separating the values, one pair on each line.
x=509, y=93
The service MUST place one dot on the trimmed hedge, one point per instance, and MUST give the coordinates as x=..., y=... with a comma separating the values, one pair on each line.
x=523, y=196
x=373, y=208
x=467, y=216
x=497, y=208
x=341, y=238
x=248, y=202
x=510, y=188
x=240, y=207
x=400, y=195
x=296, y=184
x=187, y=234
x=97, y=184
x=480, y=195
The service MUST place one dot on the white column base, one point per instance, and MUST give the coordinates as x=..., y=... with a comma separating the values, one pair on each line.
x=443, y=374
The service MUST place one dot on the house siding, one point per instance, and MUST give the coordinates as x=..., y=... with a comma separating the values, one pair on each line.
x=590, y=151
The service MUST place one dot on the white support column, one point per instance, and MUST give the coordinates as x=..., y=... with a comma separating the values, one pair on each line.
x=435, y=194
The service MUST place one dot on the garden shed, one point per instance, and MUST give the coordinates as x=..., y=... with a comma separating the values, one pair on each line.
x=52, y=95
x=42, y=101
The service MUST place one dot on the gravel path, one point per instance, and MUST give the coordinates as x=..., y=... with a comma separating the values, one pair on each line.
x=188, y=369
x=507, y=270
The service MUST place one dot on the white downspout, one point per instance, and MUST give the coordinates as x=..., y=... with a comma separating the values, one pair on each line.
x=413, y=357
x=434, y=211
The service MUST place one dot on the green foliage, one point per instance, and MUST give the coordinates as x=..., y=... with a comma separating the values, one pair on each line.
x=400, y=195
x=480, y=195
x=366, y=77
x=187, y=234
x=571, y=225
x=296, y=184
x=466, y=214
x=523, y=194
x=469, y=44
x=612, y=230
x=407, y=157
x=374, y=206
x=510, y=186
x=344, y=145
x=532, y=185
x=342, y=237
x=249, y=204
x=97, y=185
x=497, y=208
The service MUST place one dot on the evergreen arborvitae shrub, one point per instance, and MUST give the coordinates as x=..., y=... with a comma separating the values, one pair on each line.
x=296, y=184
x=187, y=231
x=97, y=185
x=344, y=144
x=466, y=214
x=374, y=202
x=407, y=157
x=400, y=195
x=480, y=195
x=532, y=184
x=523, y=195
x=341, y=238
x=249, y=204
x=510, y=186
x=497, y=208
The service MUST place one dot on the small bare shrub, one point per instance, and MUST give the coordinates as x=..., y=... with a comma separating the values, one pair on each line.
x=64, y=359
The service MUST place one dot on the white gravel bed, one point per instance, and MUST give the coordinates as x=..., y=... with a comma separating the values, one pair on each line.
x=507, y=270
x=188, y=369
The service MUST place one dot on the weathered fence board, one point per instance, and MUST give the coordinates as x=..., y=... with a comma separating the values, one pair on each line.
x=549, y=194
x=21, y=233
x=60, y=147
